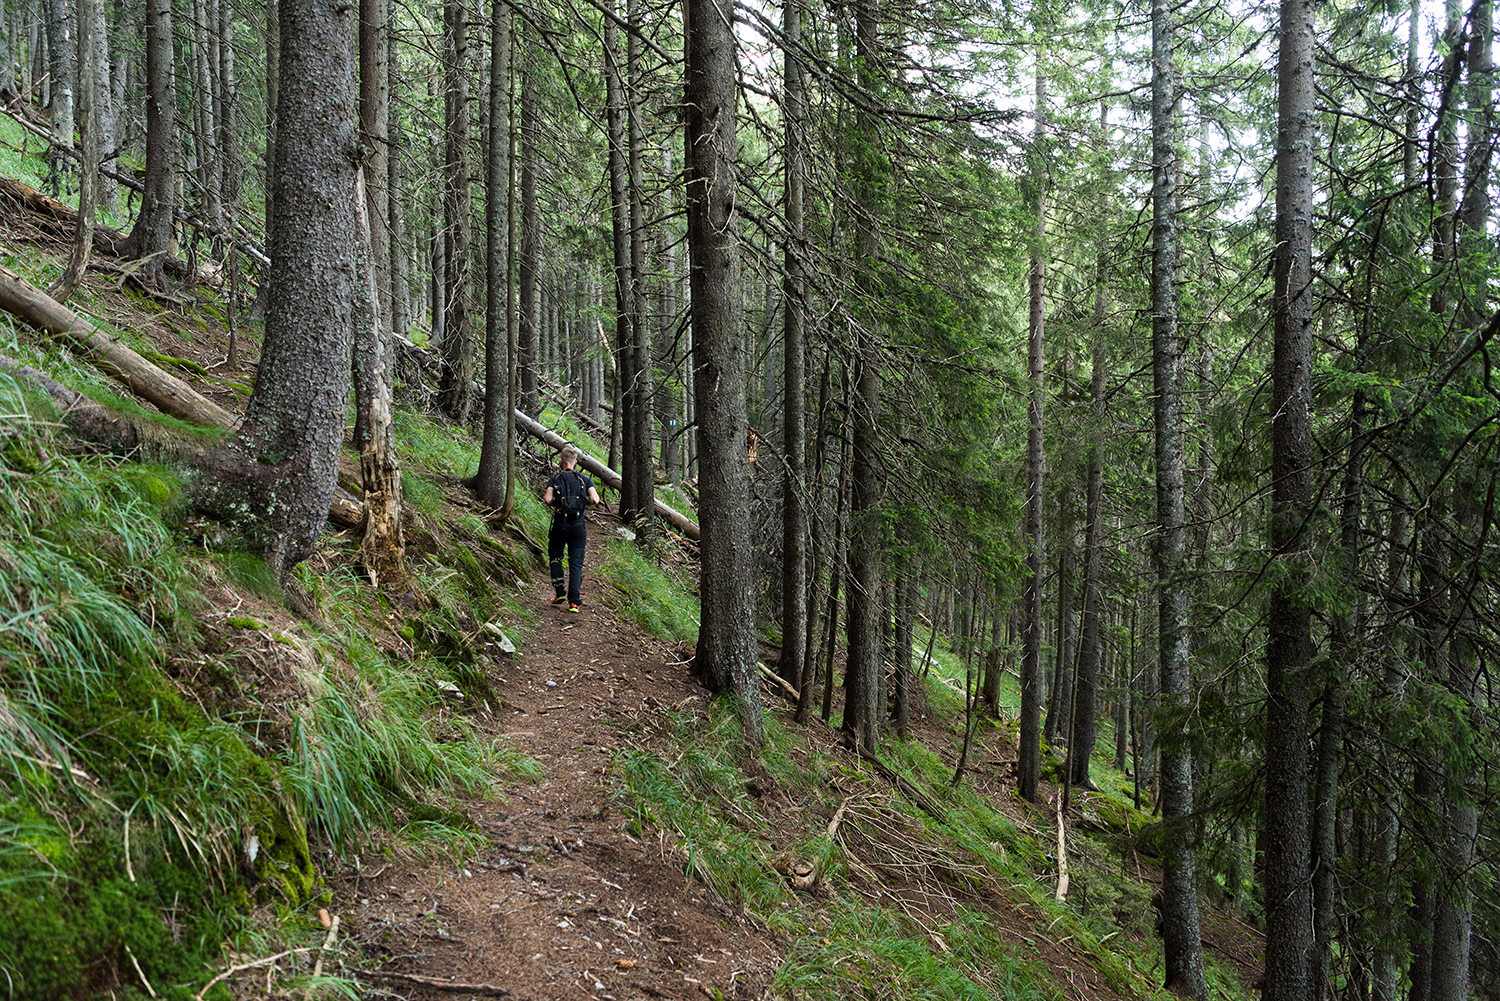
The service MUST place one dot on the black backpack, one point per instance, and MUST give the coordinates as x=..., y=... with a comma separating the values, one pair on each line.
x=569, y=495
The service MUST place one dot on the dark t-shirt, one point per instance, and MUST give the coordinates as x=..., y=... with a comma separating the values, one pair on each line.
x=555, y=486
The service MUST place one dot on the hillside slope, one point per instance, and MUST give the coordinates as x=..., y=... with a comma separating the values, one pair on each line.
x=201, y=773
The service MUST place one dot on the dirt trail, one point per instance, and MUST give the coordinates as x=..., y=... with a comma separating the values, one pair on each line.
x=562, y=903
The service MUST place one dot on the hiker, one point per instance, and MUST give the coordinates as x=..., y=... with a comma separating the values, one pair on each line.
x=569, y=492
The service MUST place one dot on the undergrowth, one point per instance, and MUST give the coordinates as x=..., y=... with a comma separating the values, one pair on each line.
x=958, y=942
x=143, y=815
x=657, y=602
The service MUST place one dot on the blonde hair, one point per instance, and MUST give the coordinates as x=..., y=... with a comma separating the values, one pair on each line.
x=569, y=456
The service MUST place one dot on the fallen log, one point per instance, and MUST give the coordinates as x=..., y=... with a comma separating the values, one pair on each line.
x=170, y=394
x=675, y=518
x=165, y=391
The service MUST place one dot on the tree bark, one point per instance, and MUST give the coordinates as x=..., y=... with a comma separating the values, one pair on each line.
x=374, y=116
x=1182, y=940
x=624, y=425
x=862, y=712
x=1029, y=765
x=151, y=238
x=401, y=298
x=639, y=464
x=455, y=393
x=88, y=133
x=107, y=108
x=726, y=654
x=794, y=408
x=383, y=545
x=294, y=424
x=1060, y=699
x=62, y=68
x=1090, y=652
x=495, y=476
x=1289, y=933
x=528, y=334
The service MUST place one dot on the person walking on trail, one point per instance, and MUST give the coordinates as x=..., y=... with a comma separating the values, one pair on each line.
x=569, y=492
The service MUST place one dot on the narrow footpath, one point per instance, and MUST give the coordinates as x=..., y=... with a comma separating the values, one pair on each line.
x=562, y=902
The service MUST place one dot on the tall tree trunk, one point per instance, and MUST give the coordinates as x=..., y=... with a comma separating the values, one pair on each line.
x=374, y=126
x=639, y=459
x=88, y=173
x=106, y=112
x=1445, y=165
x=455, y=392
x=901, y=662
x=401, y=318
x=294, y=425
x=231, y=185
x=530, y=259
x=726, y=654
x=205, y=140
x=62, y=69
x=624, y=425
x=1453, y=918
x=151, y=239
x=1478, y=266
x=1185, y=974
x=1289, y=933
x=817, y=493
x=1060, y=702
x=1090, y=652
x=493, y=481
x=669, y=359
x=793, y=411
x=1029, y=767
x=862, y=715
x=838, y=565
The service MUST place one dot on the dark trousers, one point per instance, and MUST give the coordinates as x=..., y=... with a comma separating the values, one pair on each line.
x=571, y=535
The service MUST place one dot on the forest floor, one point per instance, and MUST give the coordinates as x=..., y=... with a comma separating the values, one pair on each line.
x=562, y=902
x=563, y=897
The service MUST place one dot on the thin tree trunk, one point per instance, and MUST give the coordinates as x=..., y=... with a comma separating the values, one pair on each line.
x=105, y=114
x=528, y=334
x=862, y=715
x=456, y=394
x=230, y=185
x=205, y=142
x=1029, y=766
x=1060, y=702
x=62, y=55
x=1090, y=652
x=816, y=500
x=374, y=125
x=401, y=318
x=639, y=459
x=623, y=427
x=1183, y=947
x=793, y=411
x=88, y=173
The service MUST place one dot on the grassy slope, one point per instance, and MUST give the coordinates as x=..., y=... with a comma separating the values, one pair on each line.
x=155, y=693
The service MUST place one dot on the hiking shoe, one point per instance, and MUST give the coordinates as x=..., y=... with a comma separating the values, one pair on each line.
x=573, y=607
x=559, y=599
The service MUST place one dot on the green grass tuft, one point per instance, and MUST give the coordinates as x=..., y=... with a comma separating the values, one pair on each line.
x=661, y=605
